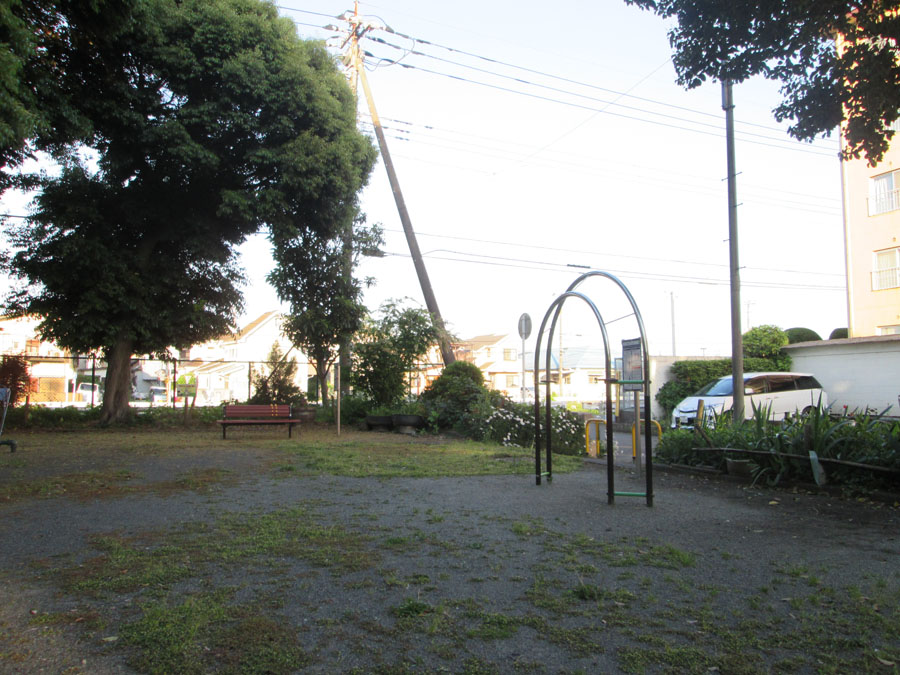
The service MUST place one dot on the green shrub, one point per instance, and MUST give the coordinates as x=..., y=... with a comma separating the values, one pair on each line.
x=783, y=448
x=452, y=398
x=839, y=334
x=354, y=408
x=796, y=335
x=71, y=417
x=40, y=417
x=465, y=369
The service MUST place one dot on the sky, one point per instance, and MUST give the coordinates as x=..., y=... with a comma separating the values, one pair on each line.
x=536, y=141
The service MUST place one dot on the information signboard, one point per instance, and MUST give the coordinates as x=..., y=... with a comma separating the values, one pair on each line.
x=632, y=365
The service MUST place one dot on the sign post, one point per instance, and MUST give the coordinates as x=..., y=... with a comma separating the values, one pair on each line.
x=524, y=332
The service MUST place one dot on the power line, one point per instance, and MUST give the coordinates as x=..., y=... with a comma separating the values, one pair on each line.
x=606, y=112
x=497, y=261
x=564, y=79
x=415, y=127
x=617, y=171
x=606, y=253
x=584, y=96
x=775, y=142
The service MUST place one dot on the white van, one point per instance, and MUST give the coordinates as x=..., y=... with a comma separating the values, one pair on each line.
x=781, y=393
x=158, y=395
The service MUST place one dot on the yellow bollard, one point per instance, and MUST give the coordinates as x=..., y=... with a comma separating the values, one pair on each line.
x=634, y=436
x=595, y=451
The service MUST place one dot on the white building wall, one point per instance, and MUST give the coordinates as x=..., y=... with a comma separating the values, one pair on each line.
x=858, y=373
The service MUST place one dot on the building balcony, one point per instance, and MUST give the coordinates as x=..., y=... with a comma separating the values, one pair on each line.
x=886, y=278
x=884, y=203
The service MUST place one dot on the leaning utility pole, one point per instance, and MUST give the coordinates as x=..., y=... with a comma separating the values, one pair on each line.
x=737, y=346
x=357, y=31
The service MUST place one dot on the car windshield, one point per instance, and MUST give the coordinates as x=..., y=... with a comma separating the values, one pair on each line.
x=720, y=387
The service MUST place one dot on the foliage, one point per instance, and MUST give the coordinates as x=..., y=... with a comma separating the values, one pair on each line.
x=465, y=369
x=823, y=83
x=314, y=275
x=354, y=408
x=205, y=120
x=839, y=334
x=279, y=384
x=795, y=335
x=453, y=396
x=785, y=447
x=14, y=376
x=377, y=371
x=765, y=342
x=71, y=417
x=388, y=348
x=44, y=41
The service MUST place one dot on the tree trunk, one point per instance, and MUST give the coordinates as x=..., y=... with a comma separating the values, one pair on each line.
x=118, y=383
x=322, y=374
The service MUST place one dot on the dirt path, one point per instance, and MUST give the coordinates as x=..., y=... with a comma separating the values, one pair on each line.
x=262, y=569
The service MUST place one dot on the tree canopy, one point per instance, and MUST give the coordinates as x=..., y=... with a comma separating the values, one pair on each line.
x=314, y=275
x=387, y=348
x=44, y=43
x=837, y=60
x=202, y=121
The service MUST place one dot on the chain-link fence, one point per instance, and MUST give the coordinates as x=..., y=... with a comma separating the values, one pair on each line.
x=57, y=381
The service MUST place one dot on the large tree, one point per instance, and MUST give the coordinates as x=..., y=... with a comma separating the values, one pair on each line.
x=837, y=60
x=314, y=275
x=208, y=120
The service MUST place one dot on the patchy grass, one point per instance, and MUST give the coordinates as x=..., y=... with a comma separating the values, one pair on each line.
x=84, y=485
x=78, y=464
x=393, y=456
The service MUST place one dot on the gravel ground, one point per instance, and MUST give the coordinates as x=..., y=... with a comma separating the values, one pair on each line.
x=486, y=574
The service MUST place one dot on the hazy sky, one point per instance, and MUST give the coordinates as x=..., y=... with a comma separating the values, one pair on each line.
x=528, y=137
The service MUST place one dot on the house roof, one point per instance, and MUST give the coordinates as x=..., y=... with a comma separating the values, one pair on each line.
x=574, y=358
x=480, y=341
x=220, y=367
x=249, y=328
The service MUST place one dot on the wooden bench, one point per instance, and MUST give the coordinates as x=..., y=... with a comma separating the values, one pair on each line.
x=235, y=415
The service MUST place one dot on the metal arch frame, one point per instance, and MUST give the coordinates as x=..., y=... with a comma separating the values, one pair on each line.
x=555, y=309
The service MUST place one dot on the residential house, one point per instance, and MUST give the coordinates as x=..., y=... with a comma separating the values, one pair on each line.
x=51, y=368
x=499, y=358
x=230, y=363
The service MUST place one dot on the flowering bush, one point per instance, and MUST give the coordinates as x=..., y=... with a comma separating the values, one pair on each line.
x=512, y=424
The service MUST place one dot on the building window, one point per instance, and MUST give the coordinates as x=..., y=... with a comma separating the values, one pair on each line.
x=884, y=193
x=889, y=330
x=510, y=381
x=886, y=272
x=509, y=354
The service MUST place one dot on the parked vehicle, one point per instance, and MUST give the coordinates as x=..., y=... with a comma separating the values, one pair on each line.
x=86, y=392
x=781, y=393
x=158, y=395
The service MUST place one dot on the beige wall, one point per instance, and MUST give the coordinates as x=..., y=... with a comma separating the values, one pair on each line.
x=864, y=234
